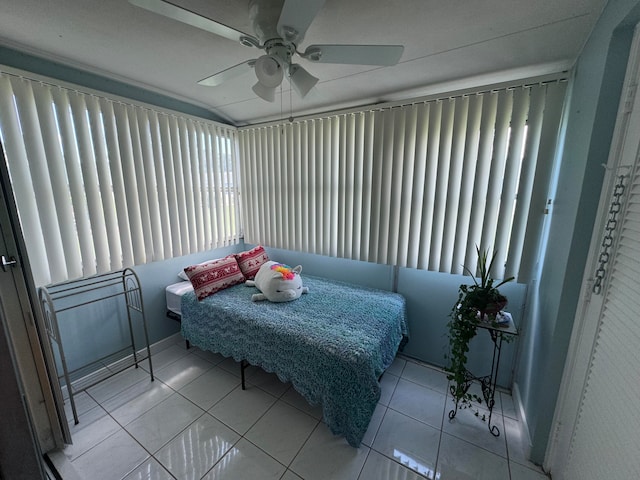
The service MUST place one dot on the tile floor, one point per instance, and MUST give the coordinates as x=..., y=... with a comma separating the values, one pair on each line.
x=195, y=422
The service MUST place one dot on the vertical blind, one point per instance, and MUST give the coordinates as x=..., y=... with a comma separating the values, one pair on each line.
x=417, y=185
x=101, y=185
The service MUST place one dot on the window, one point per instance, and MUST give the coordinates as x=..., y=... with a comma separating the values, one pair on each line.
x=416, y=185
x=101, y=184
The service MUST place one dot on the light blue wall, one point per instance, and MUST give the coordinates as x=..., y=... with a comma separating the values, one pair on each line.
x=553, y=299
x=429, y=295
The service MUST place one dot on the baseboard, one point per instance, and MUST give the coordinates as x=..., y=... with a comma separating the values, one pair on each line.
x=525, y=436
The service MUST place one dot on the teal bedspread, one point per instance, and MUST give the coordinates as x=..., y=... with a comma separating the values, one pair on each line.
x=332, y=344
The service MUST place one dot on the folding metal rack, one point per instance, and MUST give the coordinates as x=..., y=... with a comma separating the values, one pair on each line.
x=75, y=294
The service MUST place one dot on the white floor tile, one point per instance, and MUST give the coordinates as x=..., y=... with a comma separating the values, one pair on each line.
x=149, y=470
x=247, y=462
x=388, y=384
x=326, y=455
x=425, y=376
x=374, y=425
x=293, y=398
x=231, y=366
x=397, y=366
x=136, y=400
x=411, y=443
x=165, y=357
x=516, y=446
x=64, y=468
x=113, y=458
x=83, y=403
x=289, y=475
x=183, y=371
x=268, y=382
x=419, y=402
x=508, y=406
x=116, y=384
x=214, y=358
x=95, y=425
x=282, y=431
x=520, y=472
x=210, y=387
x=161, y=423
x=468, y=426
x=197, y=448
x=379, y=467
x=461, y=460
x=242, y=408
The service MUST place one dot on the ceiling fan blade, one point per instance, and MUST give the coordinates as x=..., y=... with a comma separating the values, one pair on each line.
x=385, y=55
x=229, y=73
x=295, y=18
x=167, y=9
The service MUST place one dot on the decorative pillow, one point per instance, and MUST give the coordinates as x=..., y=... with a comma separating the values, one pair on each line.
x=251, y=261
x=211, y=277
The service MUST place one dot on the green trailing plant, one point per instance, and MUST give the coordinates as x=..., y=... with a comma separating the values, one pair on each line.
x=478, y=302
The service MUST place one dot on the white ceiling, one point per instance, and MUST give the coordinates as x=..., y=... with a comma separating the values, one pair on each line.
x=445, y=41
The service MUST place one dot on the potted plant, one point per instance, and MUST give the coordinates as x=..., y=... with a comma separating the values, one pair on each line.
x=476, y=303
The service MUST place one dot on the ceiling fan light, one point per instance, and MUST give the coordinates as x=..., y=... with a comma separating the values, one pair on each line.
x=264, y=92
x=301, y=80
x=269, y=71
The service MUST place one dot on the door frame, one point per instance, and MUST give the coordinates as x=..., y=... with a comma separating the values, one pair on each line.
x=623, y=151
x=23, y=325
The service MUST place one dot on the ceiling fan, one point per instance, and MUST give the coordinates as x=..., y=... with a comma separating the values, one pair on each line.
x=279, y=26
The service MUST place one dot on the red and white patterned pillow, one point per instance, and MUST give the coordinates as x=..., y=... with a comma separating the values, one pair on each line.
x=211, y=277
x=251, y=261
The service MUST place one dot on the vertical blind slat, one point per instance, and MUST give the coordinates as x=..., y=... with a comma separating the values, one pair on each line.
x=358, y=157
x=525, y=182
x=469, y=167
x=15, y=147
x=161, y=188
x=459, y=139
x=405, y=186
x=544, y=167
x=416, y=215
x=171, y=186
x=395, y=191
x=130, y=183
x=108, y=219
x=333, y=190
x=431, y=174
x=367, y=185
x=496, y=174
x=74, y=173
x=511, y=174
x=481, y=183
x=137, y=139
x=98, y=261
x=58, y=179
x=444, y=162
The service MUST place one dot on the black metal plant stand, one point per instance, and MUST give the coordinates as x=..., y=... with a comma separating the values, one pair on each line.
x=488, y=382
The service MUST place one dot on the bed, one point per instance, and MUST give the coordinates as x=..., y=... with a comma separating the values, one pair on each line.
x=332, y=344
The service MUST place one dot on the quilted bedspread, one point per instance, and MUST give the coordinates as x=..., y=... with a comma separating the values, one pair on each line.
x=332, y=344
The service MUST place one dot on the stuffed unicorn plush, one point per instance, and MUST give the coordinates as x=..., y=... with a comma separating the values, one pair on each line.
x=278, y=283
